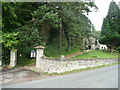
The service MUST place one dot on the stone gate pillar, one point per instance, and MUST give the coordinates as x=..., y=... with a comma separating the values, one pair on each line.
x=13, y=57
x=39, y=54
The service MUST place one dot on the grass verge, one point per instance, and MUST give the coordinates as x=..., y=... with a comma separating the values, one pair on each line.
x=68, y=72
x=96, y=54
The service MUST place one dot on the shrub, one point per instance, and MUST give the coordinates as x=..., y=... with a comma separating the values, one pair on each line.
x=118, y=49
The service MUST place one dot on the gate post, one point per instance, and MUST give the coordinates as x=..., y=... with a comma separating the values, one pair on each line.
x=13, y=57
x=39, y=54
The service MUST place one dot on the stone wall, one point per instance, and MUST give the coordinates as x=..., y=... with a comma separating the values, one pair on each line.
x=57, y=66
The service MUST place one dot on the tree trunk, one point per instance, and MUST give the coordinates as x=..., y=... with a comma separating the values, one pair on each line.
x=69, y=41
x=60, y=39
x=112, y=48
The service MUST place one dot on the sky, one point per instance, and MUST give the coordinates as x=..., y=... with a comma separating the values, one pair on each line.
x=97, y=17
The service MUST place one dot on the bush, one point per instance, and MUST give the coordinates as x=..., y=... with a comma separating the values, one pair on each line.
x=118, y=49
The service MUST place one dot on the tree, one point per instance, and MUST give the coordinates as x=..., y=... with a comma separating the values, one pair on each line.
x=16, y=14
x=74, y=23
x=60, y=25
x=10, y=42
x=110, y=34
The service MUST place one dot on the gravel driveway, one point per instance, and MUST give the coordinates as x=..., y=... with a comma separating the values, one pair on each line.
x=18, y=75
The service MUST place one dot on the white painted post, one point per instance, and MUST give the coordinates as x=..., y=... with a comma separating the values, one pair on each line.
x=13, y=57
x=93, y=46
x=62, y=57
x=0, y=62
x=39, y=54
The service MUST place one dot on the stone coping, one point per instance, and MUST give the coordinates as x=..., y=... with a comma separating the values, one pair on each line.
x=39, y=47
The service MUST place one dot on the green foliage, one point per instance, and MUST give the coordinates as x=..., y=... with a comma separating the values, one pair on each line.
x=44, y=15
x=110, y=34
x=118, y=49
x=29, y=36
x=60, y=26
x=96, y=34
x=10, y=40
x=5, y=55
x=15, y=14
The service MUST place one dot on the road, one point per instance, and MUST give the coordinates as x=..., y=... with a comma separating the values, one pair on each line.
x=106, y=77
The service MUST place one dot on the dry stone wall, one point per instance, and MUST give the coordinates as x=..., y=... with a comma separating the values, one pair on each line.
x=57, y=66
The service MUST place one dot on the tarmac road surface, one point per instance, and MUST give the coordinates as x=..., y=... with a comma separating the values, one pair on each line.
x=106, y=77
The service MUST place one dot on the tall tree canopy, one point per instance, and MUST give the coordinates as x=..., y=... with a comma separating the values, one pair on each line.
x=111, y=27
x=59, y=24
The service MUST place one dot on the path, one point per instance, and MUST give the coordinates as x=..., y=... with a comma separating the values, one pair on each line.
x=73, y=55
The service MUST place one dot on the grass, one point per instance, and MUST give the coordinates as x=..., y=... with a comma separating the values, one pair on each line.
x=96, y=54
x=53, y=52
x=68, y=72
x=25, y=62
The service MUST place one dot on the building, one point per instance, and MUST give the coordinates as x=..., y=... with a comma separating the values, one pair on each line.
x=93, y=43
